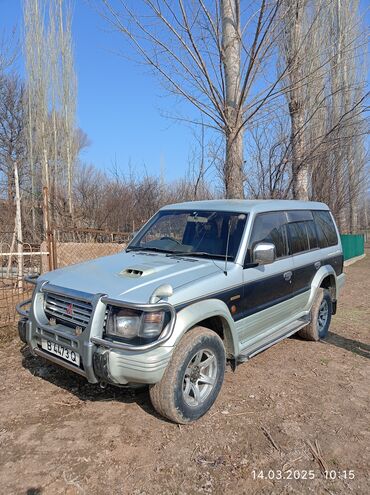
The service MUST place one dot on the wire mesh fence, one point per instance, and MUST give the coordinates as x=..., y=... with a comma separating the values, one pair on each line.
x=73, y=246
x=69, y=246
x=13, y=267
x=95, y=236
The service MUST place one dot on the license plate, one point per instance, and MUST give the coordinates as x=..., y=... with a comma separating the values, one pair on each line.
x=61, y=351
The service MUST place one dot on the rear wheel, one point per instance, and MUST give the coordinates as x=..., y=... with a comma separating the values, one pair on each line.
x=321, y=312
x=193, y=379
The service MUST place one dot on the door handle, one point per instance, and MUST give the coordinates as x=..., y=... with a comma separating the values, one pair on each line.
x=288, y=276
x=317, y=265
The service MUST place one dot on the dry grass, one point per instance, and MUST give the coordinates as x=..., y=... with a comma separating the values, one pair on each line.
x=297, y=406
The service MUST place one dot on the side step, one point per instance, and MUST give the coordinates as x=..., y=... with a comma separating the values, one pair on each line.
x=281, y=335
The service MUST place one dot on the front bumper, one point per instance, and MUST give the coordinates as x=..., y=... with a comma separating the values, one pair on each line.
x=99, y=363
x=100, y=360
x=123, y=367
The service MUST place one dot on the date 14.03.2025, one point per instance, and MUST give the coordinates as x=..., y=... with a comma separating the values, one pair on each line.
x=301, y=474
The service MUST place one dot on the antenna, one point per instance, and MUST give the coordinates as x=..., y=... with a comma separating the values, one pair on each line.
x=227, y=247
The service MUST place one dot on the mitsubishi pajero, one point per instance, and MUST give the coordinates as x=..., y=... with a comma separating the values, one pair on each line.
x=201, y=283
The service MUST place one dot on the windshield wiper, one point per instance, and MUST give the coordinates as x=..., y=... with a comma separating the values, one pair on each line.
x=170, y=253
x=155, y=249
x=197, y=253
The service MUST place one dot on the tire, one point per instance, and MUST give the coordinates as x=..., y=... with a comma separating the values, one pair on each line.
x=321, y=312
x=182, y=396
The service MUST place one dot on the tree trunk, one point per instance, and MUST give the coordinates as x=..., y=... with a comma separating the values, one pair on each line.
x=8, y=271
x=353, y=195
x=54, y=178
x=300, y=172
x=70, y=179
x=32, y=165
x=233, y=172
x=347, y=83
x=68, y=96
x=231, y=47
x=45, y=159
x=10, y=187
x=337, y=91
x=18, y=226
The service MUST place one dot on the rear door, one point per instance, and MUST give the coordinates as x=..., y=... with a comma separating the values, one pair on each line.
x=303, y=246
x=311, y=236
x=330, y=249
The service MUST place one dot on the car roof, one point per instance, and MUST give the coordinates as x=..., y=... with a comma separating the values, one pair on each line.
x=247, y=206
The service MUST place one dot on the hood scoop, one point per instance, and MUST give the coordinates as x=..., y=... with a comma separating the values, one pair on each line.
x=137, y=271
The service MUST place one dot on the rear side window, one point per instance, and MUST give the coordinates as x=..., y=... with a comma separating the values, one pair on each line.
x=302, y=236
x=326, y=233
x=311, y=234
x=298, y=237
x=270, y=227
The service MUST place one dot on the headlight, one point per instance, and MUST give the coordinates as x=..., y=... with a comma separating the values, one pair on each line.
x=128, y=323
x=123, y=323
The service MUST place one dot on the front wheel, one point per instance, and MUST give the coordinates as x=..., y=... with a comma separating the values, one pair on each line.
x=193, y=379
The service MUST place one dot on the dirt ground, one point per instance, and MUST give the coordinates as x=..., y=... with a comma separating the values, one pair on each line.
x=297, y=407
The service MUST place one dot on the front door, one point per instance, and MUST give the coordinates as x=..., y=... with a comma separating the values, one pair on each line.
x=267, y=289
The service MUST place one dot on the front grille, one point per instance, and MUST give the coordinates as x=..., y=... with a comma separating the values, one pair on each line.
x=67, y=310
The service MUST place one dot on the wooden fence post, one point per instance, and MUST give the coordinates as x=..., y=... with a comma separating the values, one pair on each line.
x=55, y=251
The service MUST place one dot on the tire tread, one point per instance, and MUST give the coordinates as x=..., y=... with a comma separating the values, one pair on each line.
x=160, y=394
x=310, y=332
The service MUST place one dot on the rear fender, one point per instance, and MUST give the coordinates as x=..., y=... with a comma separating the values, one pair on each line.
x=322, y=273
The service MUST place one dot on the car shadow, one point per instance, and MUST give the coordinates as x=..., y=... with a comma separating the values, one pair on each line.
x=82, y=389
x=354, y=346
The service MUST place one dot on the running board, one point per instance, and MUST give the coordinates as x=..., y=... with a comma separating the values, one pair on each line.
x=288, y=331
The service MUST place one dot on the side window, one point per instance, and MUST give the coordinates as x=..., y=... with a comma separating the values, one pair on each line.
x=298, y=237
x=269, y=227
x=311, y=233
x=325, y=228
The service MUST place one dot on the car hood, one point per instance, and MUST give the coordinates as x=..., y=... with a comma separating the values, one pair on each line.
x=132, y=276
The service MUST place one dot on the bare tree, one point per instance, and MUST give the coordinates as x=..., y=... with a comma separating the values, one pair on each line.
x=9, y=50
x=350, y=77
x=51, y=98
x=68, y=91
x=267, y=157
x=292, y=42
x=209, y=53
x=321, y=47
x=12, y=153
x=52, y=46
x=338, y=142
x=231, y=59
x=202, y=160
x=37, y=87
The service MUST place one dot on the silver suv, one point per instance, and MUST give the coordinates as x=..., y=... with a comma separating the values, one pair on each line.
x=200, y=283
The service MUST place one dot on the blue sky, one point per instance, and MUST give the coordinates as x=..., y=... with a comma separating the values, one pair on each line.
x=120, y=104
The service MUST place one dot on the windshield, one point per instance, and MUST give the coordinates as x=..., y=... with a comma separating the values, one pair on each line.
x=202, y=233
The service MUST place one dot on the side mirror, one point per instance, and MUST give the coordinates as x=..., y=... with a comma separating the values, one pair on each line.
x=264, y=253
